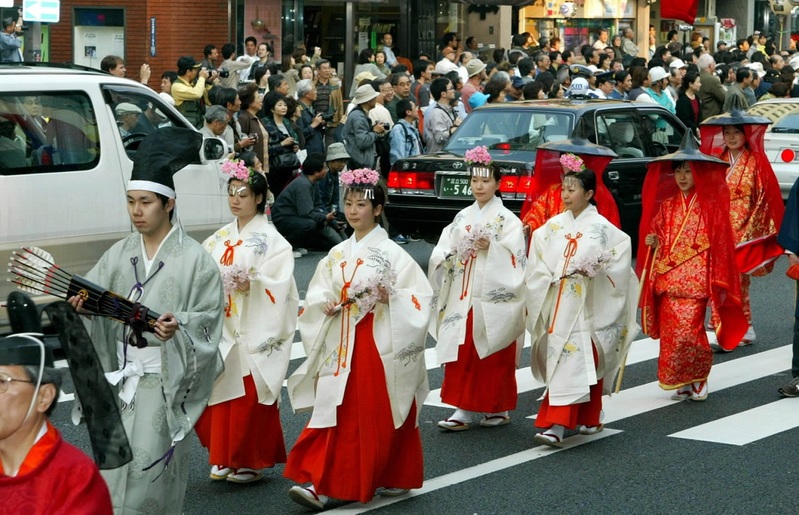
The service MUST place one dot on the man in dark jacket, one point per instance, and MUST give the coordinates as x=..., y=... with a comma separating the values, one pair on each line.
x=311, y=123
x=298, y=213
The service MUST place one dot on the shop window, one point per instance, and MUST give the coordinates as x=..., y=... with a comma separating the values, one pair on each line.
x=51, y=132
x=96, y=33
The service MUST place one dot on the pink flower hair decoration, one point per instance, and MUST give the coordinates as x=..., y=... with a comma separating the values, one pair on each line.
x=364, y=179
x=572, y=163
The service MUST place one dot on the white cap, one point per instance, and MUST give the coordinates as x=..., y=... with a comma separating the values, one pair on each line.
x=657, y=73
x=676, y=64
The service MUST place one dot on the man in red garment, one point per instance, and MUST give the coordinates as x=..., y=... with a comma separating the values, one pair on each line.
x=39, y=472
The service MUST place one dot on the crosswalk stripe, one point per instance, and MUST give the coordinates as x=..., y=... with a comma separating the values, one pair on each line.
x=641, y=350
x=483, y=469
x=648, y=397
x=747, y=426
x=628, y=403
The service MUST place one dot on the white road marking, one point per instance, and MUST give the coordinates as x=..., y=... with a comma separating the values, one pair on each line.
x=747, y=426
x=483, y=469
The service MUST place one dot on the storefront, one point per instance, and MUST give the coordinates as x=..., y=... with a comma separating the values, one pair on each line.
x=577, y=23
x=342, y=29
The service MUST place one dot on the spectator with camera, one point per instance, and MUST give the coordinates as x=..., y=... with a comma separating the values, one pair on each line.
x=251, y=102
x=283, y=142
x=360, y=134
x=228, y=70
x=298, y=213
x=190, y=89
x=440, y=120
x=233, y=135
x=312, y=124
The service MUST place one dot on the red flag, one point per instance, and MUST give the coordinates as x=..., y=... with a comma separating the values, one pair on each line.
x=684, y=10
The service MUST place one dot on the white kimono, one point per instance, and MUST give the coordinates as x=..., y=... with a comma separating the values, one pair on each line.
x=259, y=324
x=491, y=283
x=399, y=329
x=566, y=314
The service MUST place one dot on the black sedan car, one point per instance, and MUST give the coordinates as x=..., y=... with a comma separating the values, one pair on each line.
x=425, y=192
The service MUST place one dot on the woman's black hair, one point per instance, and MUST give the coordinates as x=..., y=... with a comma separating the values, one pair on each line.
x=365, y=56
x=257, y=182
x=587, y=179
x=378, y=198
x=270, y=101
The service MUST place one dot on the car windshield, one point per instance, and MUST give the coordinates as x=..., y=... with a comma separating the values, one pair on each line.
x=787, y=124
x=518, y=129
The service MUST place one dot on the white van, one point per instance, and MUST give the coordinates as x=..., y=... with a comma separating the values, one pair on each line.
x=64, y=164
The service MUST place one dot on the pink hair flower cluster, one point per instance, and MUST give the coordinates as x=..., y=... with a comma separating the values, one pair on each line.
x=572, y=163
x=236, y=169
x=478, y=156
x=359, y=178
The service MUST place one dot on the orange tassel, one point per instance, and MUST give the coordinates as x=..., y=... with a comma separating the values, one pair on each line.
x=269, y=293
x=571, y=250
x=227, y=257
x=416, y=303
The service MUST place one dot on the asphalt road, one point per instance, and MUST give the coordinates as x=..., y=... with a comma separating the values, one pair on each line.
x=729, y=454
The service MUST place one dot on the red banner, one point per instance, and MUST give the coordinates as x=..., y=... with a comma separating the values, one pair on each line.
x=684, y=10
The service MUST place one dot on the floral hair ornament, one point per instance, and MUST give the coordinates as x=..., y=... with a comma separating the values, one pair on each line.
x=361, y=179
x=236, y=169
x=479, y=161
x=572, y=163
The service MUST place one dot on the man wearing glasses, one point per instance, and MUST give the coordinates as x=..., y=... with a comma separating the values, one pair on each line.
x=440, y=120
x=39, y=471
x=401, y=83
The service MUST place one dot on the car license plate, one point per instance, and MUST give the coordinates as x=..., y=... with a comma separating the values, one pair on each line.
x=455, y=187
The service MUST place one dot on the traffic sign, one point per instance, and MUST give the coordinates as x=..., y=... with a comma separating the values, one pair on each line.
x=46, y=11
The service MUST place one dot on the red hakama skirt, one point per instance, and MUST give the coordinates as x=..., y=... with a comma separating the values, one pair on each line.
x=572, y=415
x=485, y=385
x=241, y=433
x=363, y=451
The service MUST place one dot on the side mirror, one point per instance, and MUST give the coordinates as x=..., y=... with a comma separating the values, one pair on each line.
x=213, y=149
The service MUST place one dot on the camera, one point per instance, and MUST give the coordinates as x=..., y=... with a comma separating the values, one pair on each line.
x=327, y=117
x=386, y=125
x=223, y=74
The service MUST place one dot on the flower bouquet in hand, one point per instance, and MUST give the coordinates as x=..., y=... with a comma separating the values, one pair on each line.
x=467, y=246
x=589, y=266
x=366, y=294
x=234, y=276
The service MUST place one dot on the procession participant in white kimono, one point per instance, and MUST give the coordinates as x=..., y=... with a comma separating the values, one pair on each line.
x=363, y=327
x=164, y=379
x=241, y=426
x=581, y=302
x=477, y=272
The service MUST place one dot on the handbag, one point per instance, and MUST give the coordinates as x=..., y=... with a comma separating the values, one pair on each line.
x=284, y=160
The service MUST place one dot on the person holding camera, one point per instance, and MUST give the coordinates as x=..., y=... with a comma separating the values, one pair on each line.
x=190, y=88
x=230, y=67
x=360, y=133
x=312, y=124
x=10, y=43
x=283, y=142
x=251, y=103
x=440, y=120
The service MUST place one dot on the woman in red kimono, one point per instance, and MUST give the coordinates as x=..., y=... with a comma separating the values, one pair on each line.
x=685, y=258
x=756, y=206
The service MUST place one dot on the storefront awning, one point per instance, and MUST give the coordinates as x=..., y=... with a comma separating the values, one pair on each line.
x=515, y=3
